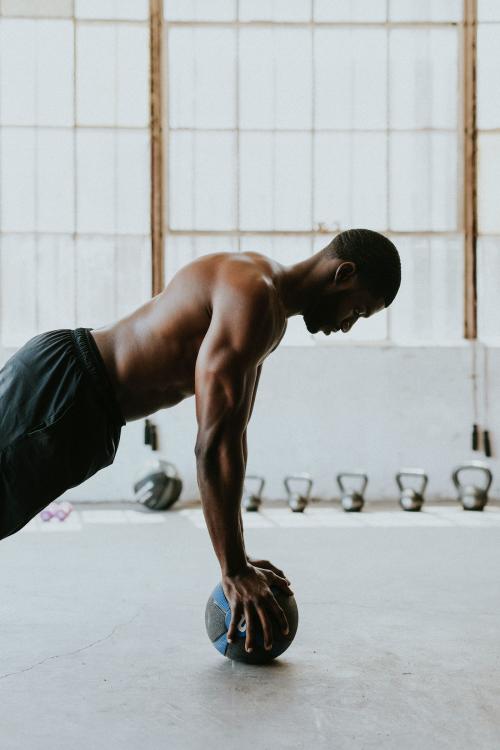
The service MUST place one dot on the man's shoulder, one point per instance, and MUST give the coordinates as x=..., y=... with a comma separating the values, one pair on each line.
x=241, y=276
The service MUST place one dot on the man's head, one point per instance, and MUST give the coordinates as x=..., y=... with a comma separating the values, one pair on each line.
x=361, y=275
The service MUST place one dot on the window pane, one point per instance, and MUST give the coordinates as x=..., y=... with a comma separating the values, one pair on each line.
x=55, y=180
x=350, y=180
x=488, y=183
x=17, y=179
x=488, y=289
x=95, y=288
x=257, y=181
x=257, y=85
x=425, y=10
x=55, y=73
x=488, y=65
x=182, y=249
x=423, y=181
x=37, y=8
x=275, y=189
x=285, y=250
x=132, y=183
x=202, y=182
x=115, y=9
x=55, y=281
x=133, y=274
x=200, y=10
x=350, y=10
x=95, y=181
x=423, y=78
x=95, y=70
x=276, y=78
x=18, y=311
x=488, y=10
x=202, y=78
x=132, y=76
x=350, y=85
x=429, y=306
x=17, y=72
x=275, y=10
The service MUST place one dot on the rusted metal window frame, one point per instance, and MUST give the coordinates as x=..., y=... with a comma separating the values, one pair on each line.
x=470, y=223
x=469, y=158
x=156, y=135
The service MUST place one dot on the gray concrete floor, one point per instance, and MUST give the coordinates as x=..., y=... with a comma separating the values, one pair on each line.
x=102, y=641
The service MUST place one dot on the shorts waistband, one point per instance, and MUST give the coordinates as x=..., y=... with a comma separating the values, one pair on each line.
x=91, y=360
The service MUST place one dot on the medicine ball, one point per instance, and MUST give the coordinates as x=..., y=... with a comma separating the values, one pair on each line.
x=158, y=485
x=218, y=619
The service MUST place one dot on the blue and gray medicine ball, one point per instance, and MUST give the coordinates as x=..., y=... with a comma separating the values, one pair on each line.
x=218, y=619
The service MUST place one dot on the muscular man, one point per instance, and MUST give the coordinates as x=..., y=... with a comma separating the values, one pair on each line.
x=65, y=395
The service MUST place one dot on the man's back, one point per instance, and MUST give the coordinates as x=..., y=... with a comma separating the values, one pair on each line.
x=151, y=354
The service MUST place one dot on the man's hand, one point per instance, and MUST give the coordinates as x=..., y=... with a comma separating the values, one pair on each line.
x=266, y=565
x=249, y=595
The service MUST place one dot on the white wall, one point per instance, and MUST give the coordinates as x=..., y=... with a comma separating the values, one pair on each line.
x=324, y=409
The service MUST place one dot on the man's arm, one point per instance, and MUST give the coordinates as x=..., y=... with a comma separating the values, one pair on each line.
x=226, y=375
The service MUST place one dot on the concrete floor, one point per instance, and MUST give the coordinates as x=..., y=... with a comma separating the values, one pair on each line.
x=102, y=641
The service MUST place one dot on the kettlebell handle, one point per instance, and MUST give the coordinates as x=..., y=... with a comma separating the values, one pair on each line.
x=352, y=475
x=418, y=473
x=298, y=478
x=473, y=466
x=256, y=478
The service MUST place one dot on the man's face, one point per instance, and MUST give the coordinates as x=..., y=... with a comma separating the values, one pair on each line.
x=335, y=311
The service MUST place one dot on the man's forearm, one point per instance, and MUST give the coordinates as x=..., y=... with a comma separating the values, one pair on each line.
x=220, y=479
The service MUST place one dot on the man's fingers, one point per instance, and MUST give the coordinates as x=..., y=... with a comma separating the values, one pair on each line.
x=233, y=627
x=266, y=628
x=250, y=626
x=279, y=582
x=278, y=614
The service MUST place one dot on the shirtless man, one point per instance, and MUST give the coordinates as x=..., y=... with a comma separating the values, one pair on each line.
x=65, y=395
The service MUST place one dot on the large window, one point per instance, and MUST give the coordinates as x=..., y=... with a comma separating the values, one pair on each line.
x=293, y=119
x=74, y=163
x=489, y=171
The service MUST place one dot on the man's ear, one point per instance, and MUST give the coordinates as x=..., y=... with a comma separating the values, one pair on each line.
x=345, y=272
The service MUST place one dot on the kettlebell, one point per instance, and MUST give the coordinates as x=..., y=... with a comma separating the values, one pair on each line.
x=472, y=496
x=352, y=500
x=411, y=499
x=253, y=500
x=296, y=500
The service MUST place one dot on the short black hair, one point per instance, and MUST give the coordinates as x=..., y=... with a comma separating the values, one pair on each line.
x=376, y=258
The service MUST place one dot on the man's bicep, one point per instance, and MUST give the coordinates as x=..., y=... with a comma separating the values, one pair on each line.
x=224, y=386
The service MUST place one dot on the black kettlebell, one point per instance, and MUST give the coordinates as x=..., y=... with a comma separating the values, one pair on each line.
x=472, y=496
x=352, y=500
x=296, y=500
x=411, y=499
x=253, y=500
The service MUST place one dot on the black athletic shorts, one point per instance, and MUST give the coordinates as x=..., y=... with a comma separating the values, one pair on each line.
x=60, y=422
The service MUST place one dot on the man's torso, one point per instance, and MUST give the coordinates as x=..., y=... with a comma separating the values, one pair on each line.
x=151, y=354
